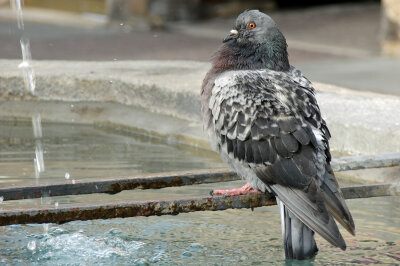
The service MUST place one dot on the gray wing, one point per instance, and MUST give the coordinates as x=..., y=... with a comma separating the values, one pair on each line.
x=332, y=194
x=272, y=122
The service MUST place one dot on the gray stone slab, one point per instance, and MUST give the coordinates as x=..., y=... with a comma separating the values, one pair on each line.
x=170, y=87
x=379, y=74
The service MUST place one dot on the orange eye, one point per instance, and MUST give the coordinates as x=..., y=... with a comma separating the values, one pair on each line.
x=251, y=25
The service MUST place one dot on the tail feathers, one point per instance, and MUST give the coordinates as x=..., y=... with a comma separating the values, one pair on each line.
x=308, y=206
x=298, y=239
x=335, y=202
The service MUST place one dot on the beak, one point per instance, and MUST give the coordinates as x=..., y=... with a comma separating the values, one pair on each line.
x=232, y=35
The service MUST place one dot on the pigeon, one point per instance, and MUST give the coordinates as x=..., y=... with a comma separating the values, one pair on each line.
x=262, y=117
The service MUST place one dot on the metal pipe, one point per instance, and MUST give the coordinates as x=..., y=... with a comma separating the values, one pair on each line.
x=64, y=214
x=172, y=179
x=112, y=186
x=364, y=162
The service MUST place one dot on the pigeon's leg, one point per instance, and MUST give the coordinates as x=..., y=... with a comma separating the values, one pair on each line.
x=246, y=189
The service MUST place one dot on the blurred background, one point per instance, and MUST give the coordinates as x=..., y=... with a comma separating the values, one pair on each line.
x=354, y=44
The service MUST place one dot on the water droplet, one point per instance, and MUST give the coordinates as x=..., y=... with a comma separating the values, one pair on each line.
x=73, y=181
x=56, y=204
x=67, y=176
x=111, y=81
x=72, y=106
x=121, y=24
x=32, y=245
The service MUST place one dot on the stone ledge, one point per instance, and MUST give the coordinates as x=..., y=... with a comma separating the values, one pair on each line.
x=360, y=123
x=170, y=87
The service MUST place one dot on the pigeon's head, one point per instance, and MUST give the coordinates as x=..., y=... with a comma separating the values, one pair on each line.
x=254, y=27
x=254, y=43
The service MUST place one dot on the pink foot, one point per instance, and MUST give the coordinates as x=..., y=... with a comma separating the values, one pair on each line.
x=246, y=189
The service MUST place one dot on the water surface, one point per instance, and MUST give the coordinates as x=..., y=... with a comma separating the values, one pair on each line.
x=85, y=151
x=235, y=237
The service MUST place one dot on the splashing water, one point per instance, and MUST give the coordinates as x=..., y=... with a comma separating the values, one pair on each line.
x=31, y=245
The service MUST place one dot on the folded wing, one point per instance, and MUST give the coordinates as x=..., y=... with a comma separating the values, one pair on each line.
x=271, y=122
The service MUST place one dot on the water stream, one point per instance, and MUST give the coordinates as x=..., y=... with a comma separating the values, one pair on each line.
x=30, y=84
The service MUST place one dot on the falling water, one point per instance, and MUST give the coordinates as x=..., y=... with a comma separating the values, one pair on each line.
x=17, y=6
x=30, y=84
x=37, y=133
x=37, y=126
x=27, y=69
